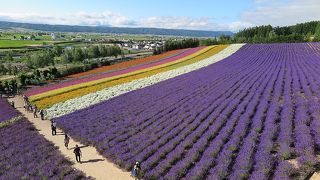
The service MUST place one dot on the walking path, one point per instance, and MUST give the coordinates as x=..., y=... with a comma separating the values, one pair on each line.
x=93, y=164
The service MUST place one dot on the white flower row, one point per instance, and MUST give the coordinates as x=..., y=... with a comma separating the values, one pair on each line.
x=85, y=101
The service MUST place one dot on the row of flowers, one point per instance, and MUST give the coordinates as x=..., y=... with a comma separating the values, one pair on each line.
x=107, y=73
x=89, y=99
x=48, y=99
x=127, y=64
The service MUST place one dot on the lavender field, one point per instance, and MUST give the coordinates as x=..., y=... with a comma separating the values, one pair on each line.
x=25, y=154
x=254, y=115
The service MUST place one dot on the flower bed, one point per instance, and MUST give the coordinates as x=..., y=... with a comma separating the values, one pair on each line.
x=96, y=97
x=98, y=76
x=50, y=98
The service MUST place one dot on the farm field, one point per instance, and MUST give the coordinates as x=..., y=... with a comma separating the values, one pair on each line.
x=20, y=43
x=218, y=112
x=253, y=115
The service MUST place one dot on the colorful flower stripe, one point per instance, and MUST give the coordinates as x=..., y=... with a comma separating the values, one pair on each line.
x=70, y=82
x=127, y=63
x=130, y=74
x=61, y=95
x=91, y=99
x=49, y=101
x=122, y=68
x=6, y=110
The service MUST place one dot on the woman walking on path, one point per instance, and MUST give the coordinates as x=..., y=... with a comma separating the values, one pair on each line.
x=66, y=140
x=78, y=154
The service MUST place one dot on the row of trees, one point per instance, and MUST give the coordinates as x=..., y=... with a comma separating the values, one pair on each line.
x=303, y=32
x=80, y=54
x=177, y=44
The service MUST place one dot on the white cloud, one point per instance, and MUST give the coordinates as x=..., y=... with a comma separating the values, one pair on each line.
x=280, y=13
x=106, y=18
x=179, y=22
x=274, y=12
x=109, y=18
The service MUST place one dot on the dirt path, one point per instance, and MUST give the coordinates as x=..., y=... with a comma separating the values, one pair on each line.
x=93, y=164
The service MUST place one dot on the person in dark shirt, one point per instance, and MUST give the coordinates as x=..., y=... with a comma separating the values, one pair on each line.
x=41, y=114
x=54, y=127
x=77, y=152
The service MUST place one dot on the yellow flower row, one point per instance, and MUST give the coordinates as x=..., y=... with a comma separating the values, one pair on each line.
x=50, y=98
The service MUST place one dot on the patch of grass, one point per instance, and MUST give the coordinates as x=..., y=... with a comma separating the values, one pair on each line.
x=20, y=43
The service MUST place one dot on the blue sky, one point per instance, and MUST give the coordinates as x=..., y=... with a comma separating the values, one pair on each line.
x=182, y=14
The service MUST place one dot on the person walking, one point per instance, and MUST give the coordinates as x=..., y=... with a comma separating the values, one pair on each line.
x=53, y=127
x=66, y=140
x=35, y=110
x=12, y=104
x=25, y=102
x=78, y=153
x=136, y=170
x=41, y=114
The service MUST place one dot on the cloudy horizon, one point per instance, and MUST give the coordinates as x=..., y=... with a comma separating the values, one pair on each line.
x=247, y=13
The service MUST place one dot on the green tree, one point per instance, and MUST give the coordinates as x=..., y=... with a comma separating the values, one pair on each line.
x=93, y=52
x=317, y=32
x=67, y=57
x=77, y=55
x=57, y=50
